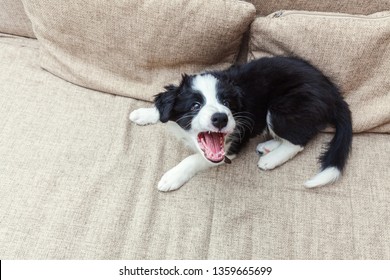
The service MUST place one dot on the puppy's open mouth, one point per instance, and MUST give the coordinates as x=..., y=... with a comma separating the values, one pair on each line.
x=212, y=144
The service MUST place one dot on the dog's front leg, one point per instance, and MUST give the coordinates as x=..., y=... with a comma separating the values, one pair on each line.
x=181, y=173
x=144, y=116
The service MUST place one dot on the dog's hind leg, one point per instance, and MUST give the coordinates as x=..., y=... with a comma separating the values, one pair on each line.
x=268, y=146
x=280, y=155
x=145, y=116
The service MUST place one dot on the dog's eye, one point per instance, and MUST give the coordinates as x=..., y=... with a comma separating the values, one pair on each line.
x=225, y=102
x=195, y=106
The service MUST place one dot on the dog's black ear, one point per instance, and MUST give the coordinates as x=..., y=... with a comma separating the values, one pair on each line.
x=165, y=101
x=184, y=78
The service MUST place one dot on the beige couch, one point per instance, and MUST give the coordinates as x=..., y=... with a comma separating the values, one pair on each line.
x=78, y=180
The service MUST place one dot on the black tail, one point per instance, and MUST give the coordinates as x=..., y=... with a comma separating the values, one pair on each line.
x=334, y=158
x=339, y=147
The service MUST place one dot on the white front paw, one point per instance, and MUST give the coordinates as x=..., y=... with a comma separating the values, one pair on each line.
x=172, y=180
x=144, y=116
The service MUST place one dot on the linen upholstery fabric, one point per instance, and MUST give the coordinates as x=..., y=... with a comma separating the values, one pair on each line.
x=134, y=48
x=352, y=50
x=78, y=182
x=266, y=7
x=13, y=19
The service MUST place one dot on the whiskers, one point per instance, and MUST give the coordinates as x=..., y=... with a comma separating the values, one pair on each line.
x=185, y=121
x=244, y=123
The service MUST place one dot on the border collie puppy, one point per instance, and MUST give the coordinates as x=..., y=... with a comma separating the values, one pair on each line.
x=219, y=111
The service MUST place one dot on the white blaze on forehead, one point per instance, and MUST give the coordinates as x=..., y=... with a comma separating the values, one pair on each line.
x=207, y=85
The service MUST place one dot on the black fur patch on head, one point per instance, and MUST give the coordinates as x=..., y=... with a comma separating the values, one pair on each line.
x=179, y=103
x=164, y=102
x=229, y=95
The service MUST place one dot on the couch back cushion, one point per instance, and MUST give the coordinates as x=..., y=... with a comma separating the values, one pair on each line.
x=353, y=51
x=134, y=48
x=13, y=19
x=364, y=7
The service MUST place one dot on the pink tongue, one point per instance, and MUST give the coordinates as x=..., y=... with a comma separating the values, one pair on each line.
x=214, y=149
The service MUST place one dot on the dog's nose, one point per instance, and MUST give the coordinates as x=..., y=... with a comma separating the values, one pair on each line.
x=219, y=120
